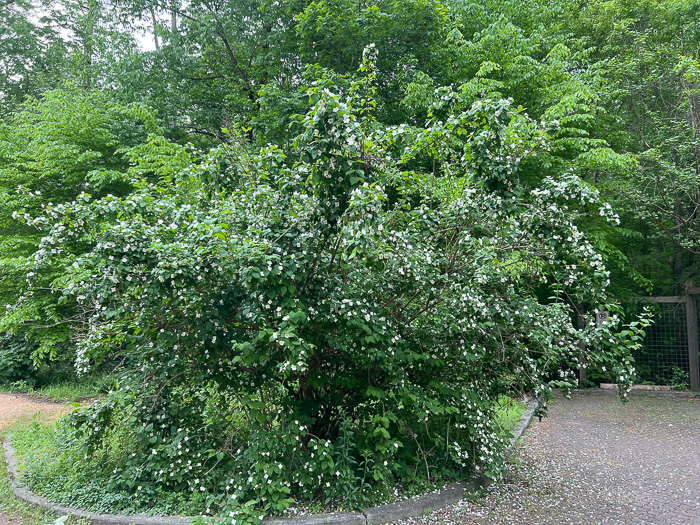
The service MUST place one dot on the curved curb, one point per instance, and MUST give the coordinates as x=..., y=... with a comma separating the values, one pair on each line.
x=522, y=425
x=383, y=514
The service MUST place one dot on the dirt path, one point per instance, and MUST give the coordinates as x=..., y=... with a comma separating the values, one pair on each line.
x=18, y=408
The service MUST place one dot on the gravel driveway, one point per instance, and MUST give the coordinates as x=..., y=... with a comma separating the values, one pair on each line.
x=594, y=461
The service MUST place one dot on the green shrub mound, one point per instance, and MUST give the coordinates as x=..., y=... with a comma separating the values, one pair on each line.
x=54, y=466
x=319, y=324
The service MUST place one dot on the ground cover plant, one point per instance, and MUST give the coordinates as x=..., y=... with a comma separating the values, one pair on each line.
x=20, y=512
x=317, y=324
x=507, y=415
x=72, y=390
x=13, y=509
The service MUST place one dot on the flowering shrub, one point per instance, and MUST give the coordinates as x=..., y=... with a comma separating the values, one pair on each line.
x=321, y=323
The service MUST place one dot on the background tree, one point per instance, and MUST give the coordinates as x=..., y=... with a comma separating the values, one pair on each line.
x=650, y=51
x=51, y=150
x=32, y=52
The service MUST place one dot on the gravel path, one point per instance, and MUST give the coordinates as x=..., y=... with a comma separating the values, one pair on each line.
x=594, y=462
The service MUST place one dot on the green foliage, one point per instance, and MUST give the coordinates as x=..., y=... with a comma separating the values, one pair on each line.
x=32, y=53
x=16, y=359
x=52, y=149
x=507, y=414
x=680, y=379
x=386, y=217
x=327, y=321
x=631, y=335
x=50, y=468
x=649, y=52
x=71, y=390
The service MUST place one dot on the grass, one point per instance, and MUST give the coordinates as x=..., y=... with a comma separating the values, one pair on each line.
x=508, y=414
x=54, y=470
x=17, y=511
x=74, y=390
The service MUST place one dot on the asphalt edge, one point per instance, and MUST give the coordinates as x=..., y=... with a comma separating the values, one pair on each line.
x=382, y=514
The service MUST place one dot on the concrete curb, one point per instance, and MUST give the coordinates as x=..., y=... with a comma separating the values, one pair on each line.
x=383, y=514
x=653, y=388
x=522, y=425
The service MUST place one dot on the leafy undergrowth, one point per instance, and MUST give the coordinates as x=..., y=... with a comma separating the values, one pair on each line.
x=51, y=467
x=72, y=390
x=17, y=511
x=508, y=413
x=54, y=470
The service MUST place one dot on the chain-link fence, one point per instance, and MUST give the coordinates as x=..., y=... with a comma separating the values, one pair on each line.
x=663, y=358
x=669, y=353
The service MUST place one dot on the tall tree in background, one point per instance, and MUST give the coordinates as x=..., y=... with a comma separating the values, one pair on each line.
x=32, y=52
x=650, y=52
x=215, y=60
x=51, y=150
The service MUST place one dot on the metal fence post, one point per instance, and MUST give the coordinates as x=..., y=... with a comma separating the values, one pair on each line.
x=691, y=316
x=582, y=368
